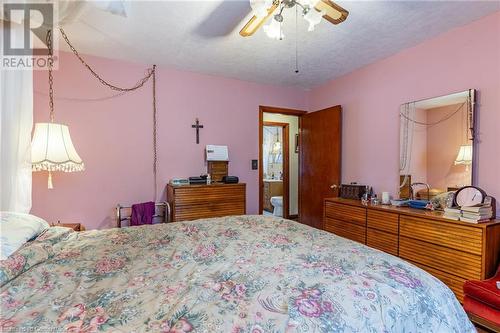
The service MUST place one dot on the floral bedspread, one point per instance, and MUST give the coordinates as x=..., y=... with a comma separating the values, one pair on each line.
x=236, y=274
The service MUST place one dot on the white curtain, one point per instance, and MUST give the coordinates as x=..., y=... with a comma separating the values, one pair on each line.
x=16, y=121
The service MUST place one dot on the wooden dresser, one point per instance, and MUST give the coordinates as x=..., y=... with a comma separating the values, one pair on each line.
x=452, y=251
x=191, y=202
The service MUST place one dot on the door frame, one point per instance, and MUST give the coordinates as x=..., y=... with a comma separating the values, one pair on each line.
x=289, y=112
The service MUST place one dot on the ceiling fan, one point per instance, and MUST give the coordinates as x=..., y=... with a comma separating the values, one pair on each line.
x=312, y=11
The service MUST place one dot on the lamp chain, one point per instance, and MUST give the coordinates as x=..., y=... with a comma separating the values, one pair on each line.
x=436, y=122
x=155, y=145
x=138, y=85
x=151, y=73
x=50, y=63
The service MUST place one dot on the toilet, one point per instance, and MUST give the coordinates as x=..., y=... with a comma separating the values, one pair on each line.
x=277, y=203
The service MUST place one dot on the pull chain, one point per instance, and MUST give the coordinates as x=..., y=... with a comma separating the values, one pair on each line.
x=296, y=42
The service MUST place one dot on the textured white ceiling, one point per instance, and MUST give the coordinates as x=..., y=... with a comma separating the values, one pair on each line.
x=202, y=36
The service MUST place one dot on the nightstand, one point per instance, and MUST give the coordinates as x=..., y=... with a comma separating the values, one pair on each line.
x=74, y=226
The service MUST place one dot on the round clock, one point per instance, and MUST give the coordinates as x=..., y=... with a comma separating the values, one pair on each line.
x=469, y=196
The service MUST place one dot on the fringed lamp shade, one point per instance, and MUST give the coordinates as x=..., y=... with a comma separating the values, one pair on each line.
x=464, y=155
x=53, y=150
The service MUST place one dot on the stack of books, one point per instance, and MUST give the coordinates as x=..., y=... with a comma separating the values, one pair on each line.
x=476, y=214
x=452, y=213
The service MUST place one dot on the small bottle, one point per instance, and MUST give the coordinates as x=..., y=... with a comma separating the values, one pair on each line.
x=209, y=179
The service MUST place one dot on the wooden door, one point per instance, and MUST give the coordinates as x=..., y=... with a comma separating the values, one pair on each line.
x=320, y=162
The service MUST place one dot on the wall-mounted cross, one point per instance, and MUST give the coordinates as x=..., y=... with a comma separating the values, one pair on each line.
x=197, y=126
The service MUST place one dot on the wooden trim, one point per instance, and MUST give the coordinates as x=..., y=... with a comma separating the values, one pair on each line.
x=290, y=112
x=261, y=173
x=299, y=195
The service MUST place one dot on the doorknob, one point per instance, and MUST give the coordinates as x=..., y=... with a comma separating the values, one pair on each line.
x=333, y=186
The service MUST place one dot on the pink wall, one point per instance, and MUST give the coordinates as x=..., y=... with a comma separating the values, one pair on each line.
x=463, y=58
x=418, y=161
x=114, y=136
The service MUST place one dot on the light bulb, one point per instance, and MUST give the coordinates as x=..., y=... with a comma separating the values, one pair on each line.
x=260, y=7
x=313, y=17
x=309, y=3
x=273, y=30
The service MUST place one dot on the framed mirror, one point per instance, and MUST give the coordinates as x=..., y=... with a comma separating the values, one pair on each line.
x=437, y=137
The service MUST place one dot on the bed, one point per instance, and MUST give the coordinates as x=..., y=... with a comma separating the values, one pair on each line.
x=234, y=274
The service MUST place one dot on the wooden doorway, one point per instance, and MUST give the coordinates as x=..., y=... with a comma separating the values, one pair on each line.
x=285, y=153
x=286, y=160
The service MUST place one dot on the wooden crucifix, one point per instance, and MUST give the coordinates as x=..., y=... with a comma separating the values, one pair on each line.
x=197, y=126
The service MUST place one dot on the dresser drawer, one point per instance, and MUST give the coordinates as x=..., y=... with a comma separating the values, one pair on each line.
x=388, y=222
x=210, y=194
x=462, y=264
x=351, y=214
x=454, y=236
x=219, y=167
x=453, y=282
x=344, y=229
x=213, y=209
x=383, y=241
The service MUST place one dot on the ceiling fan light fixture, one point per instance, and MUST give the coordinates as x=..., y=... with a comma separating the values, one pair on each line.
x=309, y=3
x=273, y=30
x=313, y=17
x=255, y=22
x=260, y=7
x=312, y=10
x=332, y=12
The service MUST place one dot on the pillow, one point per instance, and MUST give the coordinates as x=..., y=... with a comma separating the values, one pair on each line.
x=16, y=229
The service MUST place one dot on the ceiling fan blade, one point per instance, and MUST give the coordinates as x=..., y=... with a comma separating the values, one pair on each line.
x=333, y=12
x=256, y=22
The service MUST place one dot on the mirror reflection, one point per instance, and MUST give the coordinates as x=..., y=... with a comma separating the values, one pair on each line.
x=436, y=145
